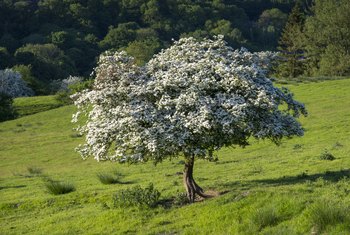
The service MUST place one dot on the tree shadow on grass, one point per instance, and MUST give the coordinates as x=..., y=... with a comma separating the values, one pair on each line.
x=16, y=186
x=126, y=182
x=331, y=176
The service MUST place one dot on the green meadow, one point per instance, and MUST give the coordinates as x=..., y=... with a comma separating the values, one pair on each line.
x=299, y=187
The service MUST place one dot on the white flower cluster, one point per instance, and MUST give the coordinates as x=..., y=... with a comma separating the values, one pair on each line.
x=192, y=98
x=12, y=84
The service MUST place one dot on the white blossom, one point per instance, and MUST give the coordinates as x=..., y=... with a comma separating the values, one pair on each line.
x=12, y=84
x=192, y=98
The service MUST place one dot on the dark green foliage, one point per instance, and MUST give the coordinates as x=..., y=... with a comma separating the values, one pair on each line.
x=83, y=29
x=270, y=25
x=87, y=84
x=120, y=36
x=137, y=196
x=9, y=42
x=143, y=50
x=291, y=45
x=26, y=71
x=6, y=59
x=7, y=111
x=57, y=187
x=63, y=96
x=327, y=156
x=33, y=170
x=180, y=199
x=47, y=60
x=34, y=38
x=328, y=31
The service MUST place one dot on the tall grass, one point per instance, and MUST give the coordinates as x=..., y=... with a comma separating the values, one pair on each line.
x=106, y=178
x=265, y=216
x=57, y=187
x=325, y=213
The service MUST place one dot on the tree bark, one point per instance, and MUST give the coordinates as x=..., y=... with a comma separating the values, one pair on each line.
x=192, y=188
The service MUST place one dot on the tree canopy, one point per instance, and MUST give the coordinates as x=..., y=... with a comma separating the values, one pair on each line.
x=190, y=99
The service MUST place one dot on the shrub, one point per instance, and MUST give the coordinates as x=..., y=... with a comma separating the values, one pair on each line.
x=70, y=86
x=106, y=178
x=180, y=199
x=56, y=187
x=327, y=156
x=69, y=81
x=137, y=196
x=7, y=111
x=63, y=97
x=33, y=170
x=297, y=146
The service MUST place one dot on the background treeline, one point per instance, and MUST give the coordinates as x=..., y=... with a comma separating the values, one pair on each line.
x=48, y=40
x=316, y=40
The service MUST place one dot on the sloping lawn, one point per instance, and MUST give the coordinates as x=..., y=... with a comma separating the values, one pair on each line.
x=265, y=189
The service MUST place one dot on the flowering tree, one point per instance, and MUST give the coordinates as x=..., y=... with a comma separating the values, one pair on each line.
x=12, y=84
x=189, y=100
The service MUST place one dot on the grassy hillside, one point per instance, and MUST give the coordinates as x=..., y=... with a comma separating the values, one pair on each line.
x=265, y=189
x=31, y=105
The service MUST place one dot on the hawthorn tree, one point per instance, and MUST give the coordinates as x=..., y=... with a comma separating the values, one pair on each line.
x=188, y=100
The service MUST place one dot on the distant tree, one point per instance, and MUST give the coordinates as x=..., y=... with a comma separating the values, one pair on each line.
x=151, y=12
x=143, y=50
x=146, y=33
x=48, y=61
x=12, y=84
x=26, y=73
x=7, y=111
x=120, y=36
x=328, y=38
x=291, y=45
x=62, y=39
x=223, y=27
x=271, y=23
x=34, y=38
x=189, y=100
x=130, y=10
x=54, y=11
x=6, y=59
x=9, y=42
x=188, y=15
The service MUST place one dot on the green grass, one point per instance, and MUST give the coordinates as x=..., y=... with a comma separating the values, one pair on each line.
x=31, y=105
x=106, y=178
x=265, y=189
x=57, y=187
x=329, y=213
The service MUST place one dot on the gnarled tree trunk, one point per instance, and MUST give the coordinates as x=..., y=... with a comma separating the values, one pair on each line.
x=192, y=188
